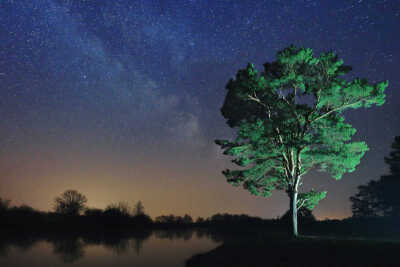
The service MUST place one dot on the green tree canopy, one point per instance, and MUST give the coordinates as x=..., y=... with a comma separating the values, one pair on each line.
x=289, y=119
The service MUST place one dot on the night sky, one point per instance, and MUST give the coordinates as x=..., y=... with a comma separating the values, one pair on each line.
x=121, y=99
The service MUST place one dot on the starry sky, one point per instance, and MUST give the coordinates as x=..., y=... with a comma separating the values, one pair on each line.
x=121, y=99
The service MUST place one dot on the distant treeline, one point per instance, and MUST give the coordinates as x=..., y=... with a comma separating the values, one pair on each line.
x=70, y=212
x=24, y=218
x=69, y=216
x=119, y=214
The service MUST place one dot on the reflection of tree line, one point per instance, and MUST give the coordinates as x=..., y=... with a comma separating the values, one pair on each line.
x=70, y=248
x=23, y=243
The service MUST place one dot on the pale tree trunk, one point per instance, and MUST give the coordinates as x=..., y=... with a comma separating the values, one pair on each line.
x=293, y=211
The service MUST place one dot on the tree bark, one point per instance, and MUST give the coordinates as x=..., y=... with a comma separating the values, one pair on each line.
x=293, y=211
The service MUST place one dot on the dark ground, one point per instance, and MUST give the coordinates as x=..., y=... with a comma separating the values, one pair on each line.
x=306, y=251
x=280, y=250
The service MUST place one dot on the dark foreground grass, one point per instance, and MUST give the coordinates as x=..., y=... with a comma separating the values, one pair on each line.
x=304, y=251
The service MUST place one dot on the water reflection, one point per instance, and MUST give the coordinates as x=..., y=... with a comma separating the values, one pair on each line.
x=69, y=250
x=22, y=243
x=185, y=234
x=134, y=246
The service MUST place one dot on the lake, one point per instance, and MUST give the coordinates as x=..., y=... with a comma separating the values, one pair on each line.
x=147, y=249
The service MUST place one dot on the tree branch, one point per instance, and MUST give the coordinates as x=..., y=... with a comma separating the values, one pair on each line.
x=338, y=108
x=293, y=113
x=280, y=139
x=256, y=99
x=302, y=203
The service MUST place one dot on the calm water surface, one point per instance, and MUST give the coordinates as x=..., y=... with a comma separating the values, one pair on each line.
x=156, y=248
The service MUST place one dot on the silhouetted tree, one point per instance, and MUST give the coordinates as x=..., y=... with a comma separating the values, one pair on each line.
x=142, y=220
x=380, y=198
x=160, y=219
x=24, y=214
x=139, y=208
x=93, y=212
x=179, y=220
x=71, y=202
x=25, y=208
x=366, y=203
x=218, y=218
x=290, y=120
x=4, y=205
x=187, y=219
x=118, y=209
x=200, y=220
x=389, y=184
x=166, y=219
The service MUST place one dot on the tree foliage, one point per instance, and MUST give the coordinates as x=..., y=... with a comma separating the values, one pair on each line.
x=71, y=202
x=365, y=203
x=380, y=198
x=172, y=219
x=187, y=219
x=120, y=209
x=4, y=204
x=139, y=208
x=289, y=120
x=93, y=212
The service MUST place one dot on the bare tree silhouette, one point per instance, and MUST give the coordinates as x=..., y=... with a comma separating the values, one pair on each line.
x=71, y=202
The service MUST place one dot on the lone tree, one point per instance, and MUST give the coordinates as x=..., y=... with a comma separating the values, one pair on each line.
x=366, y=203
x=71, y=202
x=290, y=119
x=380, y=198
x=138, y=209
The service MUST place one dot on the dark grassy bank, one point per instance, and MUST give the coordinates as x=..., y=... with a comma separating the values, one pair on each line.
x=305, y=251
x=348, y=242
